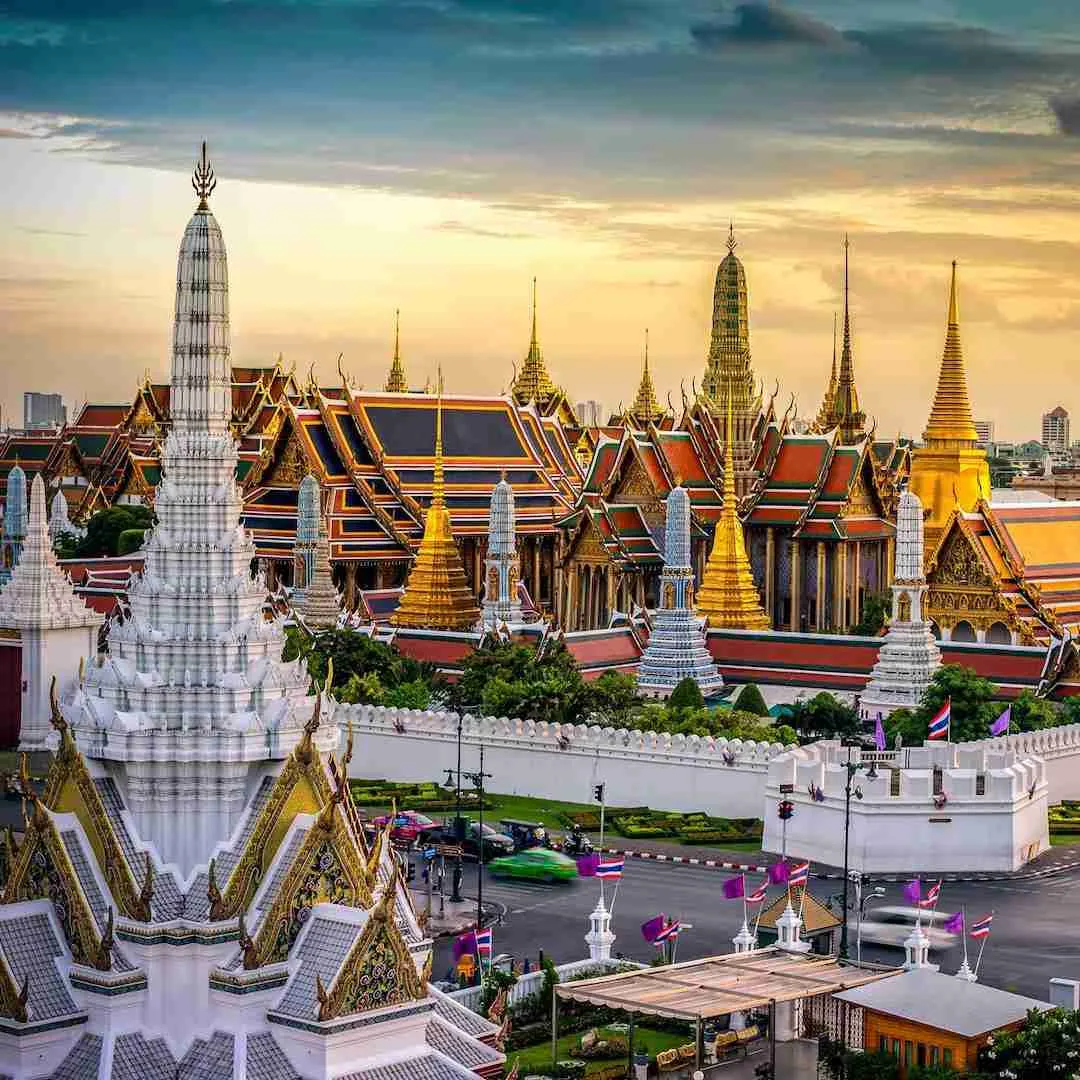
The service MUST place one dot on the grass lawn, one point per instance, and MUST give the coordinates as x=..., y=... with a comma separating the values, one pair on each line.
x=540, y=1055
x=1064, y=839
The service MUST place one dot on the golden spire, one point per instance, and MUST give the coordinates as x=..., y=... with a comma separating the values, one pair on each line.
x=728, y=597
x=202, y=180
x=437, y=595
x=848, y=416
x=533, y=383
x=646, y=409
x=395, y=381
x=950, y=421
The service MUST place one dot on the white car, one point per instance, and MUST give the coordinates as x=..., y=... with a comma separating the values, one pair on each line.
x=893, y=925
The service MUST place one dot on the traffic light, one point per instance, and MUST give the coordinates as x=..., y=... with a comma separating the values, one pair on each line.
x=598, y=793
x=786, y=810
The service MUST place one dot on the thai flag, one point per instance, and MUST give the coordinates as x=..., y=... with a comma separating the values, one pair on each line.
x=611, y=869
x=931, y=898
x=939, y=723
x=484, y=941
x=981, y=928
x=670, y=931
x=800, y=875
x=758, y=895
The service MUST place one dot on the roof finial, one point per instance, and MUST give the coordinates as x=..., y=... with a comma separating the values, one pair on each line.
x=437, y=479
x=954, y=310
x=397, y=334
x=732, y=243
x=202, y=179
x=646, y=349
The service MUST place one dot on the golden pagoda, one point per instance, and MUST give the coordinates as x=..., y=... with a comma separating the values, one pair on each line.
x=396, y=382
x=533, y=383
x=950, y=471
x=646, y=409
x=728, y=597
x=437, y=595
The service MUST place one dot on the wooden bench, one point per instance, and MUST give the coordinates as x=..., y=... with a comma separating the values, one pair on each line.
x=726, y=1042
x=610, y=1072
x=751, y=1039
x=667, y=1061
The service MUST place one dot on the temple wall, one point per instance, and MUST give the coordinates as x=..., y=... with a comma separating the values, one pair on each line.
x=665, y=772
x=993, y=817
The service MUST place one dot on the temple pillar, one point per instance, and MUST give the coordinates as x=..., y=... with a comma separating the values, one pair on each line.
x=856, y=578
x=890, y=562
x=610, y=590
x=842, y=554
x=568, y=575
x=770, y=574
x=476, y=567
x=837, y=622
x=350, y=586
x=822, y=587
x=796, y=585
x=535, y=586
x=640, y=589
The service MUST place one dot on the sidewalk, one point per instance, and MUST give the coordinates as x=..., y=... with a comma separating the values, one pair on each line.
x=455, y=918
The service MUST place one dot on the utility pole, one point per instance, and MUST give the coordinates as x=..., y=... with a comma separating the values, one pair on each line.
x=459, y=831
x=477, y=779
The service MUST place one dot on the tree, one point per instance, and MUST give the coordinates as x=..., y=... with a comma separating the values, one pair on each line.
x=875, y=614
x=130, y=540
x=687, y=695
x=823, y=717
x=973, y=707
x=612, y=698
x=751, y=701
x=1047, y=1045
x=104, y=529
x=1031, y=713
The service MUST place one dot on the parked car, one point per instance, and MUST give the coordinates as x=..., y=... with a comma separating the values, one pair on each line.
x=495, y=843
x=893, y=925
x=535, y=864
x=407, y=826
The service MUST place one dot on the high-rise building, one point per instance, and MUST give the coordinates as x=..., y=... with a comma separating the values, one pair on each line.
x=589, y=413
x=43, y=411
x=1055, y=431
x=984, y=429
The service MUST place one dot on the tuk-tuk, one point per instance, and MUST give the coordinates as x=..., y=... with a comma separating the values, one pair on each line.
x=525, y=834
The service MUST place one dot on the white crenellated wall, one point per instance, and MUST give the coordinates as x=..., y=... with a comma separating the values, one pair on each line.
x=1059, y=748
x=665, y=772
x=998, y=830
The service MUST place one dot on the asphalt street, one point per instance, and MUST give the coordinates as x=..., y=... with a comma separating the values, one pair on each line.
x=1034, y=934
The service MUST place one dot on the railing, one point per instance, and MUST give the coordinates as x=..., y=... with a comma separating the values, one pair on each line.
x=530, y=984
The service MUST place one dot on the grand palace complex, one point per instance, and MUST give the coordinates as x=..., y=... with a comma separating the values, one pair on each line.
x=816, y=503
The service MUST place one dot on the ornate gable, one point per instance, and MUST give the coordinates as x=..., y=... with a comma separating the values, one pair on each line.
x=328, y=868
x=863, y=499
x=290, y=463
x=958, y=563
x=378, y=972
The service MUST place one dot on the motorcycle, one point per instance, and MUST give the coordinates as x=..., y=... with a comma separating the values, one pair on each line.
x=576, y=843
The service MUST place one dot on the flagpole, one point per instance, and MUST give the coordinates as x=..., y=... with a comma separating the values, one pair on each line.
x=603, y=794
x=982, y=945
x=614, y=895
x=963, y=916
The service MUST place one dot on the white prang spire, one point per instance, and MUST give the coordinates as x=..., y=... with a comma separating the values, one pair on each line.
x=676, y=649
x=909, y=655
x=502, y=569
x=193, y=690
x=57, y=629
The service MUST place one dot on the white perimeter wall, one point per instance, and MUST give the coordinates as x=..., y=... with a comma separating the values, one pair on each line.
x=665, y=772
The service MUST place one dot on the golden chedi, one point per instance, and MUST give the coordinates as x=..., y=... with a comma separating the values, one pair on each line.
x=951, y=471
x=437, y=594
x=728, y=597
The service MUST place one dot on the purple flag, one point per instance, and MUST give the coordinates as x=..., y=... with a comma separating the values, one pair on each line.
x=735, y=887
x=1001, y=725
x=954, y=924
x=778, y=873
x=587, y=864
x=650, y=930
x=913, y=891
x=879, y=733
x=466, y=943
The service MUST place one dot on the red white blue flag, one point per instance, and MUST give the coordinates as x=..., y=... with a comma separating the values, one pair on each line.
x=799, y=875
x=939, y=722
x=484, y=941
x=758, y=895
x=671, y=930
x=931, y=898
x=611, y=869
x=981, y=928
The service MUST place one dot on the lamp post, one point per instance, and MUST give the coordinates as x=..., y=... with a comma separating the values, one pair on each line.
x=459, y=832
x=850, y=788
x=477, y=779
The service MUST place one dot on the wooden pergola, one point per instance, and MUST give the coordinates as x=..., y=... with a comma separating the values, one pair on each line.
x=700, y=990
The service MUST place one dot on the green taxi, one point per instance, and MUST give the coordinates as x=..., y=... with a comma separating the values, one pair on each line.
x=535, y=864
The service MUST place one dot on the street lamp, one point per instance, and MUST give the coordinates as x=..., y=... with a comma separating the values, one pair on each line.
x=850, y=788
x=477, y=779
x=860, y=902
x=459, y=832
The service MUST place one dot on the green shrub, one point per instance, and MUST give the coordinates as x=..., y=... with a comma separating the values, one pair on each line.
x=129, y=540
x=687, y=695
x=751, y=701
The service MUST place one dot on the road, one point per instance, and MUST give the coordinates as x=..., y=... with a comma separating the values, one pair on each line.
x=1033, y=939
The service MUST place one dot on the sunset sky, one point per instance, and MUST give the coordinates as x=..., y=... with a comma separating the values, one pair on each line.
x=434, y=155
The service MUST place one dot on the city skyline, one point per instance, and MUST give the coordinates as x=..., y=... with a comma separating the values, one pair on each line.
x=592, y=149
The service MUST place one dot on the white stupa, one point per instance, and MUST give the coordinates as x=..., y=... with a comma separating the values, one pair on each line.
x=194, y=895
x=502, y=568
x=909, y=654
x=56, y=629
x=59, y=520
x=676, y=649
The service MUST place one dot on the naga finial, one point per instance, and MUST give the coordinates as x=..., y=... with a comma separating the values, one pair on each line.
x=103, y=959
x=146, y=894
x=56, y=717
x=203, y=180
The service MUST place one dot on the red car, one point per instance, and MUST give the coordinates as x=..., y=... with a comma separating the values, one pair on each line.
x=407, y=826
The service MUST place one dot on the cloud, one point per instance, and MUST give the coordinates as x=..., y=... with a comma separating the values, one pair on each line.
x=477, y=230
x=766, y=23
x=1066, y=111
